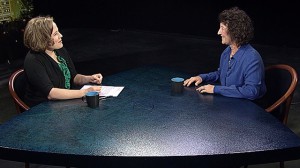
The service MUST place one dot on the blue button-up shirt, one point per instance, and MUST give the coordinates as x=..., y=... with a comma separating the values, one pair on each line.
x=242, y=76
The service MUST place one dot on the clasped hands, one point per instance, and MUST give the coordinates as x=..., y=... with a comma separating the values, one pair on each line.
x=96, y=78
x=197, y=80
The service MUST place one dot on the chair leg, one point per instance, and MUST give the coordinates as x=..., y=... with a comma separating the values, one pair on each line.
x=26, y=165
x=281, y=164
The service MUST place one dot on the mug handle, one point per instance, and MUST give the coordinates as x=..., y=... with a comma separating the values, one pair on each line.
x=83, y=99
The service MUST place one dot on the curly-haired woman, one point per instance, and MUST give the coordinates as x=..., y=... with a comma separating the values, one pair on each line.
x=241, y=68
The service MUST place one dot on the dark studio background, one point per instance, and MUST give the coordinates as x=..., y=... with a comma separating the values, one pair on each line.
x=110, y=36
x=275, y=22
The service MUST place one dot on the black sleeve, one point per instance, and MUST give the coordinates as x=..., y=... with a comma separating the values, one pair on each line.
x=36, y=68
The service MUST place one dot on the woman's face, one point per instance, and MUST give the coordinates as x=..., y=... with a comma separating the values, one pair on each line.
x=56, y=38
x=223, y=32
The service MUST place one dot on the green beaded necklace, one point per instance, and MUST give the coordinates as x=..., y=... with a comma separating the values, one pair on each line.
x=64, y=68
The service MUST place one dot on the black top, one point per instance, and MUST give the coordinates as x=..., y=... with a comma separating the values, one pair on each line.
x=43, y=74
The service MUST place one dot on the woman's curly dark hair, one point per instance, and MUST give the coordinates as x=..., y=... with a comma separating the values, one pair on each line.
x=239, y=24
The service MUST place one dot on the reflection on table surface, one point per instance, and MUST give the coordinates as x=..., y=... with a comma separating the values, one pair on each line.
x=148, y=125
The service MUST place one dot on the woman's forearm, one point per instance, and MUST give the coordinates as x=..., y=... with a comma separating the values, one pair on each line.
x=61, y=94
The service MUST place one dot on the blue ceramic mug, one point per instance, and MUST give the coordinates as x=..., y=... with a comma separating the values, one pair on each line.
x=92, y=99
x=177, y=85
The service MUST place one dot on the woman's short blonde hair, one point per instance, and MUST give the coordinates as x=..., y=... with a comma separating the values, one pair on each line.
x=37, y=33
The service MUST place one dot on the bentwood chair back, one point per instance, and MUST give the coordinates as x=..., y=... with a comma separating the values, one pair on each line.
x=281, y=81
x=16, y=87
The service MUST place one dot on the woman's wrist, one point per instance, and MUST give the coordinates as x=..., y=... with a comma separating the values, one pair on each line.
x=84, y=91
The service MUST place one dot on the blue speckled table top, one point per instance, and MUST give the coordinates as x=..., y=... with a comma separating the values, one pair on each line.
x=146, y=125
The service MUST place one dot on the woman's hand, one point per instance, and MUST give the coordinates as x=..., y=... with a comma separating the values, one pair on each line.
x=93, y=88
x=196, y=79
x=206, y=89
x=96, y=78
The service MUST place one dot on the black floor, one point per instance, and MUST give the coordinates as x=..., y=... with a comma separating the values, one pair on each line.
x=109, y=52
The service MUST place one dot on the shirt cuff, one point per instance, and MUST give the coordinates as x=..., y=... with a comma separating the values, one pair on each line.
x=217, y=89
x=203, y=76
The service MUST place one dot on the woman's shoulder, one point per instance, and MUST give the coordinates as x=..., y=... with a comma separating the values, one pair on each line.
x=34, y=55
x=249, y=49
x=33, y=59
x=250, y=53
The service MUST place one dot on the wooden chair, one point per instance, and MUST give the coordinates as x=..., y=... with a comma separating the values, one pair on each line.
x=16, y=86
x=281, y=81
